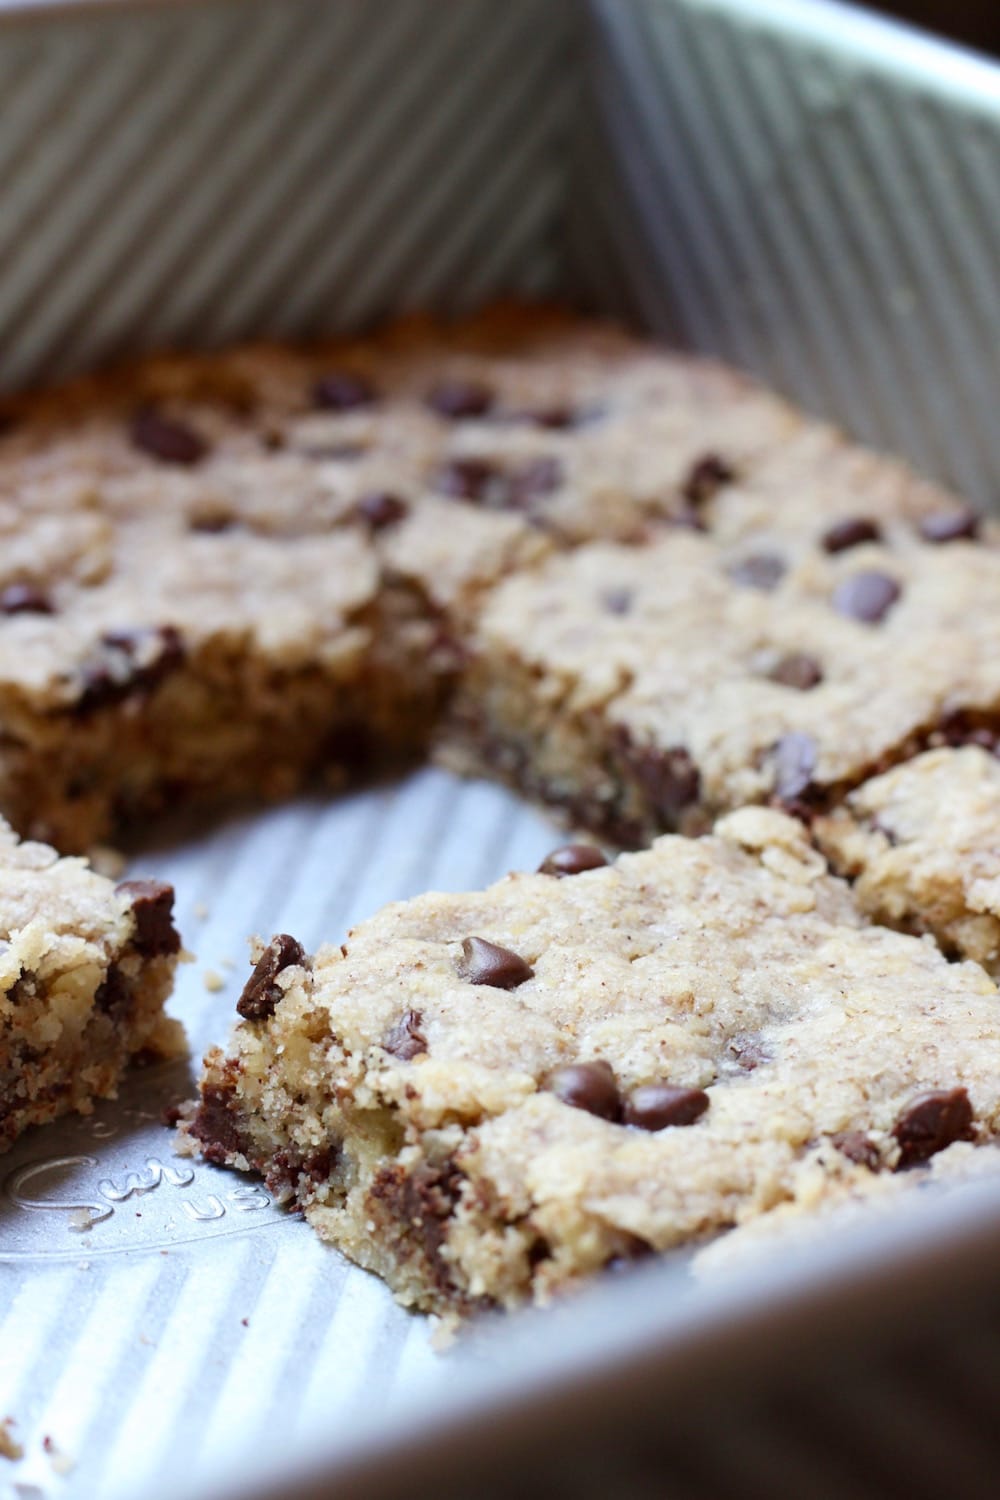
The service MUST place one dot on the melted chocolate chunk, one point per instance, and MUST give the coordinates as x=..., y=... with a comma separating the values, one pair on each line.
x=483, y=962
x=291, y=1171
x=540, y=477
x=456, y=399
x=572, y=859
x=797, y=670
x=261, y=995
x=213, y=522
x=706, y=476
x=669, y=778
x=25, y=599
x=129, y=662
x=405, y=1040
x=959, y=728
x=343, y=390
x=114, y=996
x=866, y=596
x=466, y=478
x=760, y=570
x=932, y=1122
x=588, y=1086
x=654, y=1106
x=420, y=1203
x=553, y=417
x=951, y=525
x=857, y=1147
x=794, y=763
x=381, y=509
x=216, y=1126
x=152, y=903
x=851, y=532
x=169, y=441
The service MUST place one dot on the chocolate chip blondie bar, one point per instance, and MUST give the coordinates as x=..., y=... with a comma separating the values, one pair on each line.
x=922, y=846
x=224, y=574
x=484, y=1097
x=85, y=968
x=649, y=688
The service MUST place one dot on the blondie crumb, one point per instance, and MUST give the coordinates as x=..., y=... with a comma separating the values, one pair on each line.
x=486, y=1097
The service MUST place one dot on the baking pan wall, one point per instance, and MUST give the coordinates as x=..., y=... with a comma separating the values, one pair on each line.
x=796, y=186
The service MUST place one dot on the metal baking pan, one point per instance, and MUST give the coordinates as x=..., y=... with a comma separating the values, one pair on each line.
x=799, y=187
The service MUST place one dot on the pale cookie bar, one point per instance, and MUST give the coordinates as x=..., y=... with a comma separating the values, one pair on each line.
x=222, y=574
x=200, y=668
x=85, y=968
x=484, y=1097
x=922, y=844
x=649, y=688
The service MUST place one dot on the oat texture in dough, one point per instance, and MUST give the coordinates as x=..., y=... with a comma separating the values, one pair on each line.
x=484, y=1097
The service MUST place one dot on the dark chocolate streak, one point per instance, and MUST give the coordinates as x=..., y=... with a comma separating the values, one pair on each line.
x=419, y=1204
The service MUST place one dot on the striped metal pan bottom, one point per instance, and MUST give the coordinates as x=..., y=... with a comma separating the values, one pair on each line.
x=788, y=183
x=191, y=1305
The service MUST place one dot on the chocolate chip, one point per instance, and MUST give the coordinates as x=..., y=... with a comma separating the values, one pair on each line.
x=572, y=859
x=423, y=1199
x=866, y=596
x=794, y=763
x=343, y=390
x=797, y=670
x=654, y=1106
x=617, y=601
x=212, y=521
x=669, y=778
x=553, y=417
x=261, y=995
x=465, y=478
x=113, y=997
x=706, y=476
x=959, y=728
x=760, y=570
x=381, y=509
x=951, y=525
x=859, y=1148
x=405, y=1040
x=152, y=903
x=932, y=1122
x=217, y=1125
x=483, y=962
x=589, y=1086
x=169, y=441
x=128, y=662
x=851, y=532
x=460, y=398
x=24, y=599
x=540, y=477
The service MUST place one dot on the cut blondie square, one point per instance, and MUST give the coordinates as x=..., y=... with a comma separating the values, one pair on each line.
x=85, y=969
x=922, y=846
x=486, y=1097
x=223, y=574
x=649, y=688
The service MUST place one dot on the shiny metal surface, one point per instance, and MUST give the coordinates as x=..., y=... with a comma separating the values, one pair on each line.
x=793, y=184
x=149, y=1301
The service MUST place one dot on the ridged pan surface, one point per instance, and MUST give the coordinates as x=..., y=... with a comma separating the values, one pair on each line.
x=798, y=187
